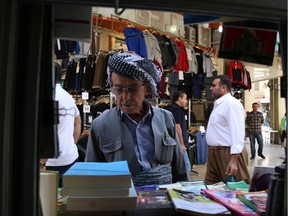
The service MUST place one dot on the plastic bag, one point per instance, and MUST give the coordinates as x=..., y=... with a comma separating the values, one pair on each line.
x=230, y=179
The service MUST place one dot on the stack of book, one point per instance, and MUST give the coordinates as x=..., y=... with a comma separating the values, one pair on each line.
x=48, y=189
x=99, y=186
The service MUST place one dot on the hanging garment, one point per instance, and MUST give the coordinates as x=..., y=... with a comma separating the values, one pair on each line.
x=198, y=85
x=172, y=48
x=202, y=148
x=237, y=74
x=182, y=63
x=88, y=75
x=135, y=41
x=152, y=47
x=192, y=61
x=166, y=58
x=247, y=84
x=63, y=49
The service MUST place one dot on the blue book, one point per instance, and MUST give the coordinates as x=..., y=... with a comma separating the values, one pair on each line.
x=98, y=175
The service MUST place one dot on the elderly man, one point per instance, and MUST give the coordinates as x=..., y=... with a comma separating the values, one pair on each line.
x=135, y=131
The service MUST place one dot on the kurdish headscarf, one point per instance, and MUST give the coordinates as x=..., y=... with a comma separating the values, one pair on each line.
x=133, y=66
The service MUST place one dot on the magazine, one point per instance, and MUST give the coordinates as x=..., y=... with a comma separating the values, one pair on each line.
x=190, y=203
x=229, y=199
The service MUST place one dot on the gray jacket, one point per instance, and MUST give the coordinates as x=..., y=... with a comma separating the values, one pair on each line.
x=110, y=140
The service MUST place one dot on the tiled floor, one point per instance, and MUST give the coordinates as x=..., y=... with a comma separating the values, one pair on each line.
x=274, y=154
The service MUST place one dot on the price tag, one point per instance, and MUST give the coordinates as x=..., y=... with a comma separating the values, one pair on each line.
x=181, y=75
x=85, y=95
x=78, y=67
x=86, y=108
x=90, y=119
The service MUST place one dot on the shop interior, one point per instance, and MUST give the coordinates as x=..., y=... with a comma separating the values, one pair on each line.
x=107, y=24
x=203, y=34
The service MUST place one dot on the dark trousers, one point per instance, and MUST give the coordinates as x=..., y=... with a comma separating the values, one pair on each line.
x=61, y=170
x=258, y=137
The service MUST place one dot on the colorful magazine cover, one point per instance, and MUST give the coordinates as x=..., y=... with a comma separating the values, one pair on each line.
x=257, y=201
x=229, y=199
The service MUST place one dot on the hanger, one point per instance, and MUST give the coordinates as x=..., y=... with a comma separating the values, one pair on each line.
x=146, y=30
x=130, y=25
x=153, y=31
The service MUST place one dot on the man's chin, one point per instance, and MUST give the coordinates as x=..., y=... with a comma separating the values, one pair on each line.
x=128, y=110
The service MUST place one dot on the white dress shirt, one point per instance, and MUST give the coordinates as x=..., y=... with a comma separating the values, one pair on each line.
x=226, y=126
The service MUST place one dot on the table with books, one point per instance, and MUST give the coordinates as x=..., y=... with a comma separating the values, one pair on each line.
x=109, y=190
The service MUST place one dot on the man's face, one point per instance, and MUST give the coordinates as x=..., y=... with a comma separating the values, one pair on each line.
x=183, y=101
x=255, y=107
x=129, y=100
x=217, y=90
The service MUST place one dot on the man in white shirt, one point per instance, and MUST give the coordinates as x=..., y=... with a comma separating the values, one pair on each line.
x=69, y=129
x=227, y=155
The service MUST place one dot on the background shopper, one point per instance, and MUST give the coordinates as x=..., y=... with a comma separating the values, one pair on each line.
x=254, y=121
x=227, y=155
x=69, y=129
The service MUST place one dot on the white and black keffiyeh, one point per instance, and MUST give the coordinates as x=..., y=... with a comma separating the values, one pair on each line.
x=135, y=67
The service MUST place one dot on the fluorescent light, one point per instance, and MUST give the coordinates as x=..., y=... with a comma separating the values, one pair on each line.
x=220, y=29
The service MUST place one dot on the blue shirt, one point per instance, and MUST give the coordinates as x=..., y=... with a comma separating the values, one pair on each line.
x=135, y=41
x=143, y=138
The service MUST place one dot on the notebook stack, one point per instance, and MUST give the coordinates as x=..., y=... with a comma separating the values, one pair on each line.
x=99, y=186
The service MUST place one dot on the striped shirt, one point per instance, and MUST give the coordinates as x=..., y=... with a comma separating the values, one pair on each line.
x=254, y=122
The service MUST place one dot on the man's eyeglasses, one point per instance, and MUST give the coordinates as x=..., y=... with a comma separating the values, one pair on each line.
x=129, y=89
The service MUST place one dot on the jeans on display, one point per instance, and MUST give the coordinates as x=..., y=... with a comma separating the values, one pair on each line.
x=187, y=162
x=259, y=138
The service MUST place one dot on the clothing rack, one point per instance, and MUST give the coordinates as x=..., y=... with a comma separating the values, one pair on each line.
x=129, y=23
x=143, y=27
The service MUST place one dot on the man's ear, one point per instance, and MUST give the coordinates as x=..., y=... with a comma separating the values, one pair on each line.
x=147, y=90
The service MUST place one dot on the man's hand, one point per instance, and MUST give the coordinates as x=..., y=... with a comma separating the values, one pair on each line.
x=232, y=167
x=184, y=148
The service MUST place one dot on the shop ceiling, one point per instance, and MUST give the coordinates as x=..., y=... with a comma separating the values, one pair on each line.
x=268, y=10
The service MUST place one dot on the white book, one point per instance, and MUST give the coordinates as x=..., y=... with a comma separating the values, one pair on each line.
x=48, y=192
x=104, y=203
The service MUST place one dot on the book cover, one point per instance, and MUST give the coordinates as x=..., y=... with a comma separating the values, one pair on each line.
x=153, y=199
x=255, y=200
x=98, y=175
x=104, y=203
x=240, y=185
x=103, y=168
x=218, y=186
x=190, y=203
x=170, y=186
x=229, y=199
x=194, y=186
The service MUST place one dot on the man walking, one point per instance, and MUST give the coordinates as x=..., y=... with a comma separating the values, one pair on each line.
x=227, y=155
x=254, y=120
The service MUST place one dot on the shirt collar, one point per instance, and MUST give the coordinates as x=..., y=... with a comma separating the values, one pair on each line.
x=223, y=98
x=148, y=113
